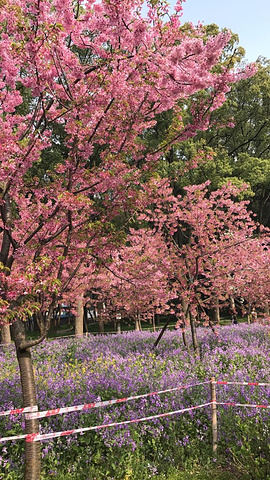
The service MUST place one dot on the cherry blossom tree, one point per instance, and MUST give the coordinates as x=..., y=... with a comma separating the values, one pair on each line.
x=100, y=72
x=216, y=250
x=137, y=282
x=203, y=249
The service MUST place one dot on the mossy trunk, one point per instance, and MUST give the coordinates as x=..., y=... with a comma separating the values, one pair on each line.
x=28, y=384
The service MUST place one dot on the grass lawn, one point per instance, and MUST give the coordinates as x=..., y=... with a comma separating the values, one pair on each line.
x=68, y=330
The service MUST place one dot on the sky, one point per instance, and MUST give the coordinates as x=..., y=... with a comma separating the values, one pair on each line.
x=250, y=19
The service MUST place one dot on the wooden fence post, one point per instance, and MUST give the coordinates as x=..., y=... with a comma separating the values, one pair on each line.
x=214, y=414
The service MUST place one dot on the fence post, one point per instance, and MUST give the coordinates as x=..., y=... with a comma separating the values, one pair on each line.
x=214, y=413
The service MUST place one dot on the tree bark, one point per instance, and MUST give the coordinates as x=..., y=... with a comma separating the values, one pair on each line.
x=140, y=322
x=137, y=324
x=233, y=310
x=101, y=329
x=185, y=308
x=162, y=331
x=184, y=337
x=5, y=335
x=195, y=342
x=118, y=328
x=249, y=313
x=79, y=319
x=32, y=450
x=154, y=323
x=85, y=319
x=40, y=322
x=216, y=313
x=232, y=302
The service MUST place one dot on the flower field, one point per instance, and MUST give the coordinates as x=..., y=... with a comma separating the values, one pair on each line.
x=73, y=372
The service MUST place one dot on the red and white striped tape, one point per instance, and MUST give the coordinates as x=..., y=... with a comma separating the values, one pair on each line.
x=15, y=437
x=35, y=437
x=234, y=404
x=87, y=406
x=19, y=410
x=258, y=384
x=32, y=412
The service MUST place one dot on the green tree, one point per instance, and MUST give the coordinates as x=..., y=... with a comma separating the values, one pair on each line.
x=236, y=146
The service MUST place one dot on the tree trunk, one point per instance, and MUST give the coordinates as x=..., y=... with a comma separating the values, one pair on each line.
x=85, y=319
x=153, y=323
x=118, y=328
x=137, y=324
x=5, y=334
x=216, y=313
x=40, y=323
x=137, y=327
x=184, y=337
x=233, y=310
x=58, y=317
x=195, y=342
x=185, y=308
x=32, y=449
x=232, y=302
x=162, y=331
x=79, y=319
x=101, y=329
x=249, y=313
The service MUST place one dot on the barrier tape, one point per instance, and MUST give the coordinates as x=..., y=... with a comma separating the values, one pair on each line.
x=32, y=412
x=234, y=404
x=258, y=384
x=35, y=437
x=16, y=437
x=87, y=406
x=56, y=411
x=19, y=410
